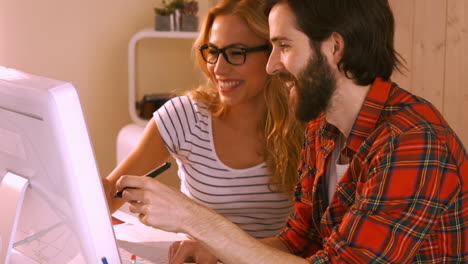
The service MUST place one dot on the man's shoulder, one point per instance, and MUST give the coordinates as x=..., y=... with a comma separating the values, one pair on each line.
x=405, y=110
x=407, y=113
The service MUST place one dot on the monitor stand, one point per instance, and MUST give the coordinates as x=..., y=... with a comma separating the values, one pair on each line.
x=12, y=190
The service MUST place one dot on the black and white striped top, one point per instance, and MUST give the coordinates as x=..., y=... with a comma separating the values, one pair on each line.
x=242, y=195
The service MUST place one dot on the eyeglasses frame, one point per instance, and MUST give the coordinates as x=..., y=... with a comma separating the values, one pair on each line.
x=223, y=51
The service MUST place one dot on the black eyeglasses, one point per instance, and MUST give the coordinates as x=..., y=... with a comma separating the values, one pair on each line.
x=234, y=55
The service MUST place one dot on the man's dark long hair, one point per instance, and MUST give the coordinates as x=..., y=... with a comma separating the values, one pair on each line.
x=367, y=27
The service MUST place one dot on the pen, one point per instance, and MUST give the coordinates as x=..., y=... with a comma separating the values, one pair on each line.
x=104, y=260
x=151, y=174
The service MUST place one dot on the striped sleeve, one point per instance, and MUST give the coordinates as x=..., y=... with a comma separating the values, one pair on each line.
x=176, y=121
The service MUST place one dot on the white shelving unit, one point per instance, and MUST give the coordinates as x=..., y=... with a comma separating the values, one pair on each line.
x=132, y=45
x=129, y=136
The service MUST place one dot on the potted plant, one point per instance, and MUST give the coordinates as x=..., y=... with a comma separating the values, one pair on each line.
x=176, y=7
x=175, y=4
x=189, y=16
x=169, y=14
x=163, y=18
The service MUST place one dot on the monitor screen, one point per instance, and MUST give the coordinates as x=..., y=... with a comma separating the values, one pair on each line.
x=61, y=215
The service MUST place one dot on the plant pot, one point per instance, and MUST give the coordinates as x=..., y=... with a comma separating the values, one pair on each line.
x=164, y=23
x=177, y=19
x=189, y=23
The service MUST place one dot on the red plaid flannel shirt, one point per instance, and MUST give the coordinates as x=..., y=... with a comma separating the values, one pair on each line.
x=404, y=198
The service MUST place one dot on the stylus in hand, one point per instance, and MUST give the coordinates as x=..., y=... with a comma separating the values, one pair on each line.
x=151, y=174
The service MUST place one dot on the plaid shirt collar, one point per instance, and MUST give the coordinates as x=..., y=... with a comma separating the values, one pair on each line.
x=370, y=113
x=366, y=121
x=368, y=116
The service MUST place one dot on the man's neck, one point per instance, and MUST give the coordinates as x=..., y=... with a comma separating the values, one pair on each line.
x=346, y=104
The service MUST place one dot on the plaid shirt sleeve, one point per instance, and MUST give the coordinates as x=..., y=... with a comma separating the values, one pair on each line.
x=298, y=235
x=413, y=179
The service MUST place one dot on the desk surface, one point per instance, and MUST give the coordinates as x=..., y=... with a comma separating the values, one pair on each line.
x=150, y=245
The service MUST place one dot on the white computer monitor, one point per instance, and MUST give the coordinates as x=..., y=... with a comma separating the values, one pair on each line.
x=52, y=205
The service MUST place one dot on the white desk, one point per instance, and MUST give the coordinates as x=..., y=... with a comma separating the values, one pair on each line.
x=150, y=245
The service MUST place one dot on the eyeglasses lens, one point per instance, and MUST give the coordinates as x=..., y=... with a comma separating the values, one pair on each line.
x=233, y=55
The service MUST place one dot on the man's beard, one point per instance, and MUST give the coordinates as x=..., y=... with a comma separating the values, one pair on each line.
x=314, y=88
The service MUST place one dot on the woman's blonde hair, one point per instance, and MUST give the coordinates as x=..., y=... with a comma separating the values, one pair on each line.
x=281, y=133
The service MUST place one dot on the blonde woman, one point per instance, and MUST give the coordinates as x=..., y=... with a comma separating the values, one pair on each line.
x=235, y=140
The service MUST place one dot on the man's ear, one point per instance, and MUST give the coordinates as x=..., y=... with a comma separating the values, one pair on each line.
x=336, y=44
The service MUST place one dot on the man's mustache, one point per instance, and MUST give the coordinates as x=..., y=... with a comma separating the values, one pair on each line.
x=288, y=78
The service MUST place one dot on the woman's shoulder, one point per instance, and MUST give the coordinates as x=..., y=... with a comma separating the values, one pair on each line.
x=184, y=105
x=186, y=101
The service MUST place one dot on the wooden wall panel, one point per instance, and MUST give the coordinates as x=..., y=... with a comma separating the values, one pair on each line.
x=432, y=36
x=403, y=11
x=429, y=50
x=456, y=70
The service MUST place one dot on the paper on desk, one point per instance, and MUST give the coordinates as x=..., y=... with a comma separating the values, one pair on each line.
x=150, y=245
x=134, y=231
x=148, y=252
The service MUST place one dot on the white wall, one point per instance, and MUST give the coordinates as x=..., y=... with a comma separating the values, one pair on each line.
x=85, y=42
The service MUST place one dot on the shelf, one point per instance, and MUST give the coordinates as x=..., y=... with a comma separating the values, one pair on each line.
x=142, y=34
x=151, y=33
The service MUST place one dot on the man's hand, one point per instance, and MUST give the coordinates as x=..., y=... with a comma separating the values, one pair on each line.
x=189, y=251
x=157, y=204
x=163, y=207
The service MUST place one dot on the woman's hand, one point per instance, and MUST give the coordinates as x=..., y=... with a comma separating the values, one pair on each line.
x=190, y=251
x=108, y=189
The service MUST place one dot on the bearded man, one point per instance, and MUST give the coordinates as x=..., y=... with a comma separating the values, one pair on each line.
x=383, y=178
